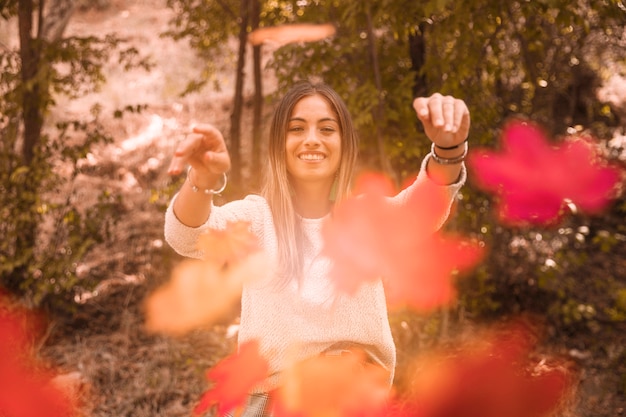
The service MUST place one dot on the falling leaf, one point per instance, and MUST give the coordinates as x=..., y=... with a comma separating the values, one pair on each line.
x=230, y=245
x=234, y=378
x=332, y=386
x=534, y=180
x=199, y=293
x=26, y=387
x=427, y=282
x=291, y=33
x=370, y=236
x=492, y=375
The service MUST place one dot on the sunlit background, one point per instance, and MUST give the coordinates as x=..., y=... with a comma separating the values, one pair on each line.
x=82, y=210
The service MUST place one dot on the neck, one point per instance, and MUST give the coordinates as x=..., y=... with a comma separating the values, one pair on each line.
x=312, y=201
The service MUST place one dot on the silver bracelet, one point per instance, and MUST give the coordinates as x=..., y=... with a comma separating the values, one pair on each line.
x=448, y=161
x=207, y=191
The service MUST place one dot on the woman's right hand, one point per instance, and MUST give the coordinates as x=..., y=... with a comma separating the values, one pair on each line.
x=205, y=151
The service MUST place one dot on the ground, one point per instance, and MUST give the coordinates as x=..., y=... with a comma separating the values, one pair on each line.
x=121, y=369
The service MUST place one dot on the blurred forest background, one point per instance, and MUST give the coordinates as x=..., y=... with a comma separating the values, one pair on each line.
x=95, y=94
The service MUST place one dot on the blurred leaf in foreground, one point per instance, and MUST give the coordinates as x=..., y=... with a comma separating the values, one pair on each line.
x=291, y=33
x=27, y=387
x=492, y=375
x=371, y=236
x=533, y=180
x=234, y=378
x=201, y=292
x=333, y=386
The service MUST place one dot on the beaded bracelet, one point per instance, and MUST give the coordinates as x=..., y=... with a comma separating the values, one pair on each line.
x=207, y=191
x=448, y=161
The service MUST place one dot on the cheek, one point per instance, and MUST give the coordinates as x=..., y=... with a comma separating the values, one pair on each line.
x=338, y=149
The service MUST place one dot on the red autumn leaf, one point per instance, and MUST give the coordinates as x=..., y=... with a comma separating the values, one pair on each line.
x=234, y=378
x=332, y=386
x=200, y=293
x=230, y=245
x=490, y=376
x=533, y=179
x=370, y=236
x=26, y=387
x=292, y=33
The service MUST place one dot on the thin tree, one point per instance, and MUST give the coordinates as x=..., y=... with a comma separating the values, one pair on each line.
x=236, y=115
x=257, y=104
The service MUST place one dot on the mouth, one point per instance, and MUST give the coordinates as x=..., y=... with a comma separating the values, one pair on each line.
x=311, y=156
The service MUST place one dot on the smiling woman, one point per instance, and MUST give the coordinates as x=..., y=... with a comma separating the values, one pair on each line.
x=312, y=153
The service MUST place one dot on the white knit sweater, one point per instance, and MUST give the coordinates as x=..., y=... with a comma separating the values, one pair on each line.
x=297, y=321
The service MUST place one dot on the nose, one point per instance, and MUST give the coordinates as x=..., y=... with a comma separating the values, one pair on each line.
x=311, y=140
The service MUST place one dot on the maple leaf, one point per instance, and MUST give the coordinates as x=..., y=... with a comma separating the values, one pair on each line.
x=291, y=33
x=199, y=293
x=490, y=376
x=26, y=388
x=203, y=291
x=370, y=236
x=332, y=386
x=427, y=282
x=533, y=179
x=234, y=378
x=230, y=245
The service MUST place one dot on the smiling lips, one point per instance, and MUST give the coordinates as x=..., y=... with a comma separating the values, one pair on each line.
x=312, y=156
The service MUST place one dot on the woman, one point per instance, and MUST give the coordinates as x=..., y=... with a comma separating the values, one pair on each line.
x=312, y=154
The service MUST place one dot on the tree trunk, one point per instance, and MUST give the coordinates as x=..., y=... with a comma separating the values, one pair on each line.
x=235, y=120
x=31, y=95
x=417, y=52
x=257, y=133
x=32, y=101
x=379, y=110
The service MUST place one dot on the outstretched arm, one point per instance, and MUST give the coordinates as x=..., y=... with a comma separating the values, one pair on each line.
x=204, y=150
x=446, y=122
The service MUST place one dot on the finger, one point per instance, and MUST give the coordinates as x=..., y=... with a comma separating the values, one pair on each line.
x=177, y=164
x=210, y=132
x=420, y=104
x=435, y=106
x=218, y=162
x=448, y=113
x=184, y=151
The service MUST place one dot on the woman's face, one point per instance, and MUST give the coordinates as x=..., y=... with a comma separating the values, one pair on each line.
x=313, y=142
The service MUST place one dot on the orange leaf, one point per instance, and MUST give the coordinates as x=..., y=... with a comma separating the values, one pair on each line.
x=199, y=293
x=370, y=236
x=292, y=33
x=228, y=246
x=332, y=386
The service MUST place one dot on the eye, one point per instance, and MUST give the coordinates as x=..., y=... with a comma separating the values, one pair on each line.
x=295, y=129
x=328, y=130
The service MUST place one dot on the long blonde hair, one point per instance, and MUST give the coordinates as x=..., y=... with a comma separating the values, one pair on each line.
x=277, y=189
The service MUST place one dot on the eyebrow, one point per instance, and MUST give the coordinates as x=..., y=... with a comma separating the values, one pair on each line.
x=325, y=119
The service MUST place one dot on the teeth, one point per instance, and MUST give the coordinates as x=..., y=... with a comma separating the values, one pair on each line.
x=311, y=156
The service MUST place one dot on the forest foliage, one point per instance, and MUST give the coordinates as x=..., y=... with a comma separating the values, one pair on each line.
x=542, y=60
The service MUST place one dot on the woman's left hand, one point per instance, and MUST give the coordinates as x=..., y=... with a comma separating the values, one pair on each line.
x=446, y=119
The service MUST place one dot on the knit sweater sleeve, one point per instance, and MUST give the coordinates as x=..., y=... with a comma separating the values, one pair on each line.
x=450, y=191
x=183, y=239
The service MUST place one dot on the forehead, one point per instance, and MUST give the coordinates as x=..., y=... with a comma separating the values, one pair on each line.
x=313, y=107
